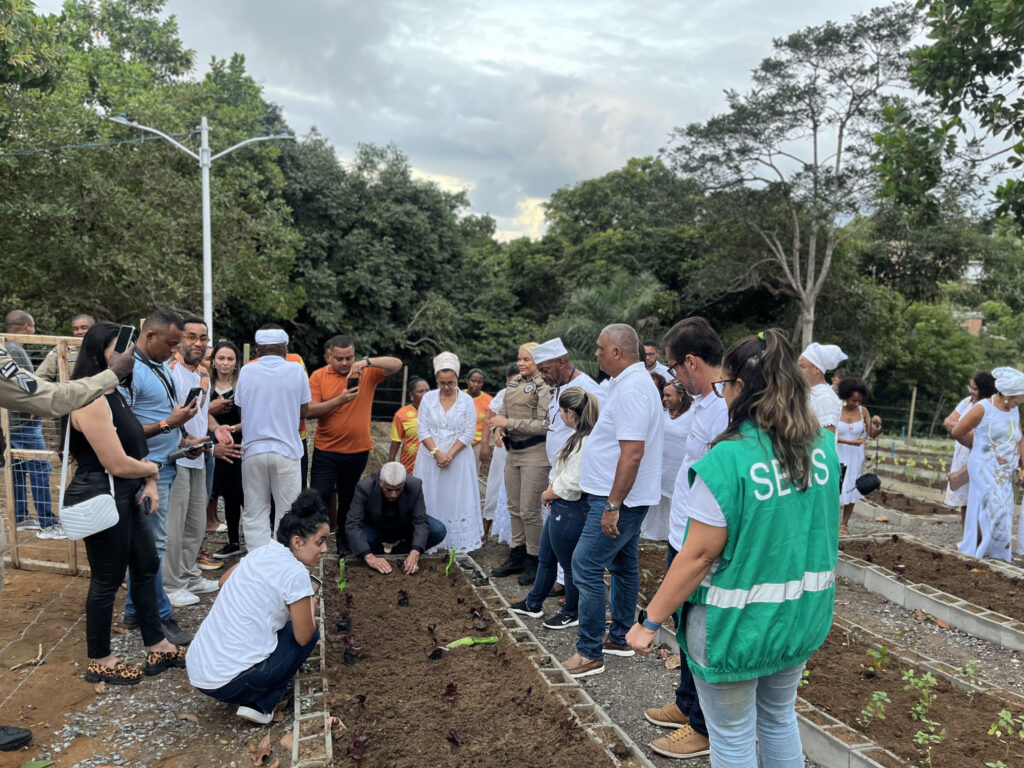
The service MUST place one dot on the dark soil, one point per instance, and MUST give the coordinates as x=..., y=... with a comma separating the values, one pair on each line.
x=839, y=685
x=653, y=568
x=969, y=580
x=487, y=698
x=908, y=505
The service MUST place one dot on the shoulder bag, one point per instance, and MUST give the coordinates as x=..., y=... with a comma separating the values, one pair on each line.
x=89, y=516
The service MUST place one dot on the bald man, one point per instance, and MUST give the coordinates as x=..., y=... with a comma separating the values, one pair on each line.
x=49, y=369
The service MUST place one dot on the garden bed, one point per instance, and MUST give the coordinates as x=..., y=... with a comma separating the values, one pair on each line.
x=485, y=705
x=653, y=568
x=907, y=504
x=981, y=582
x=844, y=675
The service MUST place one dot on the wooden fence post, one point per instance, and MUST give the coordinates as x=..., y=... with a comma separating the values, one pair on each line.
x=910, y=422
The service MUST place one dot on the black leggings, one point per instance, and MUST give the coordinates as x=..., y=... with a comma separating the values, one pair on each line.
x=227, y=483
x=126, y=545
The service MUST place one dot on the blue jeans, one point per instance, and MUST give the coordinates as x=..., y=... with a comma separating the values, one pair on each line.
x=435, y=535
x=30, y=438
x=686, y=694
x=594, y=553
x=264, y=684
x=558, y=541
x=158, y=524
x=752, y=723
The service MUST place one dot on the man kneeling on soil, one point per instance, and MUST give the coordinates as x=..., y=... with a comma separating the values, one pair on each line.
x=388, y=507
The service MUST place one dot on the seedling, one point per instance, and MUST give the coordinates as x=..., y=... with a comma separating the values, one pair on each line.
x=925, y=685
x=451, y=560
x=1009, y=725
x=361, y=698
x=344, y=626
x=358, y=745
x=929, y=740
x=454, y=738
x=341, y=575
x=878, y=658
x=450, y=692
x=970, y=668
x=352, y=651
x=403, y=598
x=465, y=642
x=805, y=678
x=875, y=709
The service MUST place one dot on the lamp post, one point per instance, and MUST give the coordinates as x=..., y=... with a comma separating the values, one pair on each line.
x=205, y=160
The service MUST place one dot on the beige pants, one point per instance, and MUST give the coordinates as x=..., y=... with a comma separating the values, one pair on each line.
x=525, y=480
x=265, y=476
x=481, y=475
x=186, y=526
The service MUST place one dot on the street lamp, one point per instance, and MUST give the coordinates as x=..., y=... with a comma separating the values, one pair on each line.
x=205, y=161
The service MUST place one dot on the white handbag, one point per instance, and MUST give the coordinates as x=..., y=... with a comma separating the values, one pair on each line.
x=89, y=516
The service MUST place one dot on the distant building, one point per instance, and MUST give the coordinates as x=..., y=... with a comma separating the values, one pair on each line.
x=972, y=321
x=974, y=272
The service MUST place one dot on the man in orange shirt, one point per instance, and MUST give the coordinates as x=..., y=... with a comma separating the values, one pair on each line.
x=342, y=402
x=482, y=401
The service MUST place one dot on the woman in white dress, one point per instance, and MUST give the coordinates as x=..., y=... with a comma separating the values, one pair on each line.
x=817, y=360
x=495, y=514
x=677, y=402
x=992, y=431
x=445, y=462
x=856, y=426
x=981, y=387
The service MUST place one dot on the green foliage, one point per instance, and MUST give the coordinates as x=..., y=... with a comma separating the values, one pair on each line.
x=32, y=48
x=874, y=709
x=925, y=688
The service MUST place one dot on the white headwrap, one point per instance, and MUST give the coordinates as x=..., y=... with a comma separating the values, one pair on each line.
x=1009, y=381
x=393, y=473
x=271, y=336
x=824, y=357
x=549, y=350
x=446, y=361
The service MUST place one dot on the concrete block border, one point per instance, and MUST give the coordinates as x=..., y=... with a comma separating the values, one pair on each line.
x=622, y=750
x=310, y=732
x=960, y=614
x=868, y=510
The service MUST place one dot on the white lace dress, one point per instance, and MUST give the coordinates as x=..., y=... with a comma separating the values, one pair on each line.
x=452, y=494
x=852, y=457
x=958, y=498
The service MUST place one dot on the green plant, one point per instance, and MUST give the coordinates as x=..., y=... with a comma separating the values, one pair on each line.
x=341, y=574
x=1009, y=725
x=875, y=709
x=970, y=668
x=451, y=561
x=929, y=740
x=805, y=678
x=879, y=659
x=925, y=686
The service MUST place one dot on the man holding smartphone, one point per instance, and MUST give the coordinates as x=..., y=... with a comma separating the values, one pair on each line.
x=342, y=402
x=186, y=518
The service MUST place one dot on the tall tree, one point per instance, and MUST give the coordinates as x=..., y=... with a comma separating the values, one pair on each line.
x=802, y=138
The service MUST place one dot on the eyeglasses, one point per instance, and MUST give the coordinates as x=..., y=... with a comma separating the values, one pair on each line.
x=672, y=369
x=719, y=386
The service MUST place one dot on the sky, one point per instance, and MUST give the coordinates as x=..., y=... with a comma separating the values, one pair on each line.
x=507, y=100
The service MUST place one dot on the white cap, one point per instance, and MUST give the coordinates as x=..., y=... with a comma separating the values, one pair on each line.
x=549, y=350
x=824, y=357
x=271, y=336
x=446, y=361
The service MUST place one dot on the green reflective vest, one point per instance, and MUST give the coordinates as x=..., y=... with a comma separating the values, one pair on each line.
x=769, y=603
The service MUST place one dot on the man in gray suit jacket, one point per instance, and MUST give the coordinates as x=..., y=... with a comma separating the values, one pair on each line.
x=388, y=507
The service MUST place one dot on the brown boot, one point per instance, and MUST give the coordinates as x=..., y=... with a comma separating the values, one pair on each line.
x=685, y=742
x=667, y=717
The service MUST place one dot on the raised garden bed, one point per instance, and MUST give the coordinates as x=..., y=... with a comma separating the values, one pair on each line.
x=843, y=677
x=653, y=568
x=907, y=504
x=498, y=704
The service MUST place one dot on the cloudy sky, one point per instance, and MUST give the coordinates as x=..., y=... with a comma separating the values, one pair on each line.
x=510, y=100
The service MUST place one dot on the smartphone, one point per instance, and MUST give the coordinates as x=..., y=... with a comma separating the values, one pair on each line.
x=353, y=382
x=124, y=338
x=193, y=393
x=146, y=505
x=229, y=395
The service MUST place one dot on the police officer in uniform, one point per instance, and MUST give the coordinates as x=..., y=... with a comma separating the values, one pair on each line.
x=523, y=426
x=21, y=391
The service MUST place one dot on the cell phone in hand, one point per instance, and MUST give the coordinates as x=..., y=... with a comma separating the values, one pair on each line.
x=145, y=504
x=353, y=382
x=229, y=395
x=193, y=394
x=124, y=337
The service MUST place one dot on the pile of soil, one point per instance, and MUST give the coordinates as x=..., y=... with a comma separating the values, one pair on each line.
x=652, y=558
x=907, y=504
x=840, y=685
x=484, y=706
x=969, y=580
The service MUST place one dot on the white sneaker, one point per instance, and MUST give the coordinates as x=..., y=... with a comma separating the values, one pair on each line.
x=28, y=524
x=254, y=715
x=182, y=597
x=55, y=531
x=206, y=585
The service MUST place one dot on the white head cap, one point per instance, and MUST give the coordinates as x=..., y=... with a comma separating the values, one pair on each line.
x=824, y=357
x=392, y=473
x=446, y=361
x=1009, y=381
x=549, y=350
x=271, y=336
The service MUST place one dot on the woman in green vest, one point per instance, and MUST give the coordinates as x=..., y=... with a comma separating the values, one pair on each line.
x=756, y=572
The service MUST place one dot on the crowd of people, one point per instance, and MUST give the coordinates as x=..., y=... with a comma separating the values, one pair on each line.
x=713, y=452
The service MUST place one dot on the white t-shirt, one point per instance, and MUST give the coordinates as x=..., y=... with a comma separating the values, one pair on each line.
x=198, y=425
x=662, y=370
x=710, y=418
x=565, y=475
x=703, y=507
x=496, y=401
x=241, y=628
x=631, y=410
x=270, y=391
x=558, y=432
x=674, y=451
x=826, y=405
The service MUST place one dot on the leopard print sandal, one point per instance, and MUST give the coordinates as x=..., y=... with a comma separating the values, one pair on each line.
x=122, y=673
x=158, y=661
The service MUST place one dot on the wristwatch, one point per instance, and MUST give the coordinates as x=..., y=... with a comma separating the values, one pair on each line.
x=651, y=625
x=367, y=361
x=609, y=507
x=165, y=428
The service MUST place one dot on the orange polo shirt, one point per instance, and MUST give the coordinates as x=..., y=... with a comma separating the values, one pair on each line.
x=404, y=429
x=346, y=429
x=482, y=403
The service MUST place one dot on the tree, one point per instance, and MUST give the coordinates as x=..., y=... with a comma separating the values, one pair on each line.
x=797, y=147
x=31, y=46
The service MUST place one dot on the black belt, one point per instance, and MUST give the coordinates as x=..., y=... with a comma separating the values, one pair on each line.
x=519, y=445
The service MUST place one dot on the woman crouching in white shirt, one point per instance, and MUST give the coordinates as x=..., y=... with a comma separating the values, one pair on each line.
x=568, y=512
x=261, y=628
